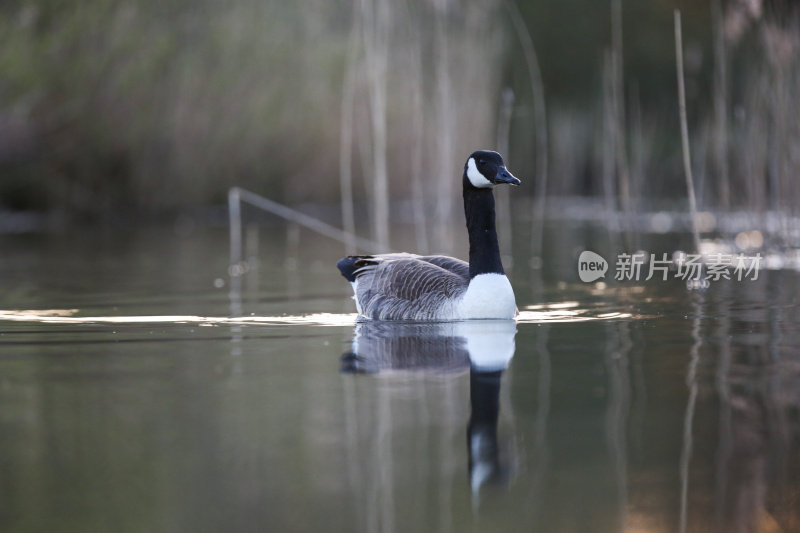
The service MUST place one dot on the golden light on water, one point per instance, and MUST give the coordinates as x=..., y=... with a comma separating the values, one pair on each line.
x=66, y=316
x=554, y=312
x=580, y=315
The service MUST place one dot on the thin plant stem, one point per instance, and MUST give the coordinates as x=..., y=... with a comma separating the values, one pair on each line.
x=619, y=121
x=346, y=137
x=720, y=129
x=540, y=123
x=376, y=37
x=617, y=89
x=445, y=141
x=418, y=129
x=687, y=160
x=502, y=194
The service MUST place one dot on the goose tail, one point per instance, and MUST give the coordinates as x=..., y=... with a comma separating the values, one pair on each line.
x=347, y=266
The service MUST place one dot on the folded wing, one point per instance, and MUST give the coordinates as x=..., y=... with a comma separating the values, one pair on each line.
x=409, y=287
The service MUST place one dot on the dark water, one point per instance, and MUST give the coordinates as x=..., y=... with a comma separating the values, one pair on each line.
x=638, y=406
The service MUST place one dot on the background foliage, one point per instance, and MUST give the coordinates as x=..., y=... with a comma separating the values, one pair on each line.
x=112, y=107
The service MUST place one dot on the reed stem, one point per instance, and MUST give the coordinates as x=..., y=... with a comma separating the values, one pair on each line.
x=346, y=137
x=540, y=124
x=687, y=160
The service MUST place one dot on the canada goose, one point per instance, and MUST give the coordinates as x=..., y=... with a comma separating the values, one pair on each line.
x=405, y=286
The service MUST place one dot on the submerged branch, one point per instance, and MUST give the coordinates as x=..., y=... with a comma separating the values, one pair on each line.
x=237, y=195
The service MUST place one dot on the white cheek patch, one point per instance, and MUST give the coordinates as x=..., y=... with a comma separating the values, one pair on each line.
x=475, y=177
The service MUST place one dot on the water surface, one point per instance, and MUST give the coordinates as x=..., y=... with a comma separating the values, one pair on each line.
x=137, y=395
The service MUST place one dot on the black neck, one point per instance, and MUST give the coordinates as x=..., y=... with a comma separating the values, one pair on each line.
x=484, y=251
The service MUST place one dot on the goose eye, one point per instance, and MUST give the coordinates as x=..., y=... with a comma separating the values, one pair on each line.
x=481, y=162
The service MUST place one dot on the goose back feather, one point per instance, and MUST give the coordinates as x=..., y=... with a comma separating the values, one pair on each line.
x=407, y=286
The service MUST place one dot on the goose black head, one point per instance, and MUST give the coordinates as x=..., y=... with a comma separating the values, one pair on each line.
x=485, y=169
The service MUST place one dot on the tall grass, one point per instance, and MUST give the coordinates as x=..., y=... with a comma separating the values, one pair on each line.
x=108, y=106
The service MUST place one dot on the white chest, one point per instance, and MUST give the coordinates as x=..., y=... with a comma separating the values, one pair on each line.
x=488, y=296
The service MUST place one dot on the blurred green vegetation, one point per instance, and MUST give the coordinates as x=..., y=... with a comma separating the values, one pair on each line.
x=112, y=107
x=145, y=106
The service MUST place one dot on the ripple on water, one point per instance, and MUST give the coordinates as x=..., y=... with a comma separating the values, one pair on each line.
x=555, y=312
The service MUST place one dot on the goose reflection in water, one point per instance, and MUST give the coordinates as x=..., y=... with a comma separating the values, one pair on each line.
x=484, y=347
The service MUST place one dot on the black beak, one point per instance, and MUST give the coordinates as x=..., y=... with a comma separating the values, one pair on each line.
x=504, y=176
